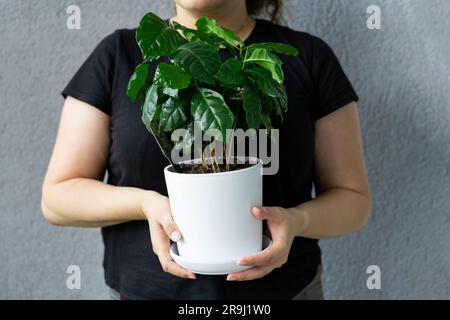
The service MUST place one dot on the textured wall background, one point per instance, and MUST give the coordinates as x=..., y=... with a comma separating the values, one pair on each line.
x=401, y=72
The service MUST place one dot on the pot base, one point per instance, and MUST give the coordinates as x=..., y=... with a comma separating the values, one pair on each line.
x=212, y=268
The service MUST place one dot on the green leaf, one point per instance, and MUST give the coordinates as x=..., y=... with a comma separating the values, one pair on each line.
x=149, y=60
x=263, y=81
x=209, y=26
x=279, y=48
x=172, y=76
x=170, y=92
x=276, y=104
x=267, y=122
x=156, y=38
x=200, y=59
x=193, y=35
x=210, y=110
x=137, y=82
x=150, y=107
x=269, y=106
x=268, y=61
x=282, y=98
x=173, y=114
x=230, y=73
x=252, y=107
x=183, y=29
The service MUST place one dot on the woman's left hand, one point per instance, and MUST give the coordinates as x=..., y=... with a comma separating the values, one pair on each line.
x=282, y=225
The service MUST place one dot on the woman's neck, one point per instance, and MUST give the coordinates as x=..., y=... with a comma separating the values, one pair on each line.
x=229, y=15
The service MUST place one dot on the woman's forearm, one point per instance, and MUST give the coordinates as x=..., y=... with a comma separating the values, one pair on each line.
x=83, y=202
x=334, y=213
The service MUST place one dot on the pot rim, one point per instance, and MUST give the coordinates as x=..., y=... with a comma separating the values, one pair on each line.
x=258, y=163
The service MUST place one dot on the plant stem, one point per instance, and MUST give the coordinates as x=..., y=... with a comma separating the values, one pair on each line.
x=228, y=148
x=204, y=164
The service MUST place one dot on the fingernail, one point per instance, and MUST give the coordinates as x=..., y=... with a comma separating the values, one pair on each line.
x=192, y=277
x=230, y=278
x=241, y=262
x=175, y=236
x=259, y=210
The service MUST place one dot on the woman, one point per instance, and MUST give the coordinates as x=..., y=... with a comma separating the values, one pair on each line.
x=320, y=143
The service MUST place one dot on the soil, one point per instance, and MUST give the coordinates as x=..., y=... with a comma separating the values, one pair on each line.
x=199, y=168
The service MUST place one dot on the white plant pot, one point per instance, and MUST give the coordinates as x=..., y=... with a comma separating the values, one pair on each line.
x=213, y=213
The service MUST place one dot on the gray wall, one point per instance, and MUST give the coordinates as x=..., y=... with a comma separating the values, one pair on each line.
x=401, y=73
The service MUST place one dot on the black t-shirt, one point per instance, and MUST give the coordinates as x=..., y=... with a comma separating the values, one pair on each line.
x=316, y=86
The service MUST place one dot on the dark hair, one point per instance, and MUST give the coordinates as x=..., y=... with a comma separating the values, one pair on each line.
x=270, y=7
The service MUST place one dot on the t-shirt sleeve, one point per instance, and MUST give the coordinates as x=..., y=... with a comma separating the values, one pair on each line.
x=93, y=82
x=333, y=89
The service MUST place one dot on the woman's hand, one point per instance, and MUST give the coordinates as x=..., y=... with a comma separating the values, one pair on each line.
x=283, y=225
x=162, y=230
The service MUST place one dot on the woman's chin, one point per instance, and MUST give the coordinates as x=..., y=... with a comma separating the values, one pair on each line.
x=201, y=5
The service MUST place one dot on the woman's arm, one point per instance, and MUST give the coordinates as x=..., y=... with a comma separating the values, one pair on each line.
x=73, y=194
x=343, y=197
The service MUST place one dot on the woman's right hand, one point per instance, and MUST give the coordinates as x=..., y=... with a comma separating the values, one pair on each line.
x=162, y=230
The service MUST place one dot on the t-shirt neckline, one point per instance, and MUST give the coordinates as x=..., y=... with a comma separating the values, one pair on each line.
x=252, y=34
